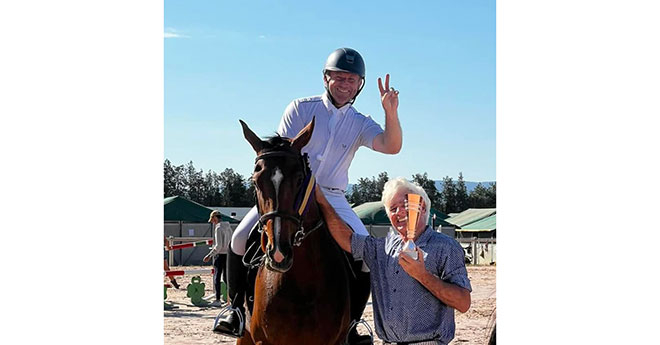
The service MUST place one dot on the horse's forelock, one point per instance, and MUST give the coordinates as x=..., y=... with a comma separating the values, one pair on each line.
x=277, y=142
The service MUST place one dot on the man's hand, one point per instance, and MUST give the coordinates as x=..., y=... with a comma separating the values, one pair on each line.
x=206, y=258
x=450, y=294
x=389, y=97
x=414, y=268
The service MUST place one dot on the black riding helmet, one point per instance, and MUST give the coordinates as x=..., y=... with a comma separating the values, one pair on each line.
x=345, y=60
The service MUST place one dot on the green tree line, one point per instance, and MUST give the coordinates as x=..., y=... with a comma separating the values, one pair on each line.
x=231, y=189
x=227, y=189
x=453, y=198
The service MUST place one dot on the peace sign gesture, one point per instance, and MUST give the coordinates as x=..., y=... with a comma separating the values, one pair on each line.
x=389, y=97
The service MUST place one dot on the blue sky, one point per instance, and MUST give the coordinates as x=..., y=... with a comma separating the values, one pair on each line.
x=229, y=60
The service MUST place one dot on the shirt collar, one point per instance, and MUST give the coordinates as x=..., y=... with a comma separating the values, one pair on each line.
x=328, y=104
x=424, y=237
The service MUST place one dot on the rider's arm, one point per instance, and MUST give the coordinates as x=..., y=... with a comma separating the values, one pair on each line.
x=338, y=229
x=390, y=140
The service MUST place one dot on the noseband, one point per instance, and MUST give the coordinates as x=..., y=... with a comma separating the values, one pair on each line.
x=305, y=192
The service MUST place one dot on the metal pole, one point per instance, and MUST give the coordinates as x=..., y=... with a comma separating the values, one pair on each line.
x=474, y=250
x=170, y=259
x=180, y=235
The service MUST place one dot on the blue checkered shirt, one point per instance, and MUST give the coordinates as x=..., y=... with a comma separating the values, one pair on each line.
x=404, y=310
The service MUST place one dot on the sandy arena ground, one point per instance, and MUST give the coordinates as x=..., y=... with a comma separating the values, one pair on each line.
x=188, y=324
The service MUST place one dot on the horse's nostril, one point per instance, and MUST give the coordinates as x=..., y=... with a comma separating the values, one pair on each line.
x=278, y=257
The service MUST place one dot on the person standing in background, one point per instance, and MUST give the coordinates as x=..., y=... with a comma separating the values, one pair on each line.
x=221, y=239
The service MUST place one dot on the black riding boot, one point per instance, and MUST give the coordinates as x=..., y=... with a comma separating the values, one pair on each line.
x=360, y=289
x=234, y=324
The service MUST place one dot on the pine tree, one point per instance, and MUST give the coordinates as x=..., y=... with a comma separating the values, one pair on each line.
x=195, y=183
x=233, y=191
x=462, y=198
x=380, y=184
x=361, y=191
x=169, y=179
x=367, y=190
x=212, y=195
x=449, y=195
x=479, y=197
x=429, y=187
x=180, y=186
x=250, y=194
x=492, y=196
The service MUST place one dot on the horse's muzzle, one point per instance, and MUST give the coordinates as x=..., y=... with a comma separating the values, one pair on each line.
x=279, y=257
x=279, y=266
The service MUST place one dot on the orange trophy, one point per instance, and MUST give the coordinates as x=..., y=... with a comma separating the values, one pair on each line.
x=413, y=207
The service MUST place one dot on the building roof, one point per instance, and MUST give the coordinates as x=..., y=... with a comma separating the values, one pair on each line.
x=181, y=209
x=470, y=215
x=484, y=224
x=234, y=212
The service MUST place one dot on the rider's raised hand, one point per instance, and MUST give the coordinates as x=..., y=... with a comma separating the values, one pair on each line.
x=389, y=97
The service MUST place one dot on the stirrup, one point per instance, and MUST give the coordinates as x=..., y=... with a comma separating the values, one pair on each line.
x=241, y=322
x=354, y=325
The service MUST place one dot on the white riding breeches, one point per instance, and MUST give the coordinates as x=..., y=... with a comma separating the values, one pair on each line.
x=336, y=198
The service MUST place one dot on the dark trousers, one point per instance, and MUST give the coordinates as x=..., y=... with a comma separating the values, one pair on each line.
x=219, y=273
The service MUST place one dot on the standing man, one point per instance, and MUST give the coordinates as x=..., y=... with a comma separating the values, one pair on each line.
x=339, y=131
x=221, y=240
x=413, y=299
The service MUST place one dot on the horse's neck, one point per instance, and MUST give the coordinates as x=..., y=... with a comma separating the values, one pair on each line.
x=316, y=244
x=313, y=215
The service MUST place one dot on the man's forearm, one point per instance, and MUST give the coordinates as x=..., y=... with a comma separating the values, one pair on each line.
x=338, y=229
x=450, y=294
x=392, y=137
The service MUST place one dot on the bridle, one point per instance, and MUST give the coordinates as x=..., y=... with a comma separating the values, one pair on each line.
x=303, y=196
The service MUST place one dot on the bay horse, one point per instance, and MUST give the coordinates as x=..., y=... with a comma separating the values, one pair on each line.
x=305, y=300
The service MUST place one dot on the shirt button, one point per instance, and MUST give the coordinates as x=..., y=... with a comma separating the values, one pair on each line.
x=397, y=272
x=394, y=290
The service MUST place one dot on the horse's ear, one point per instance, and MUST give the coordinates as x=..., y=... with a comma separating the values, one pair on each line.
x=253, y=139
x=303, y=137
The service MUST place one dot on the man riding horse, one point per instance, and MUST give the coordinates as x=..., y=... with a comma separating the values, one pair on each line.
x=340, y=131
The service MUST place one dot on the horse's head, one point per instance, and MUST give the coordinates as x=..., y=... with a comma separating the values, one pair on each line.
x=284, y=183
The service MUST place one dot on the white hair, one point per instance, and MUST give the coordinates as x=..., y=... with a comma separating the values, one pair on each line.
x=393, y=186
